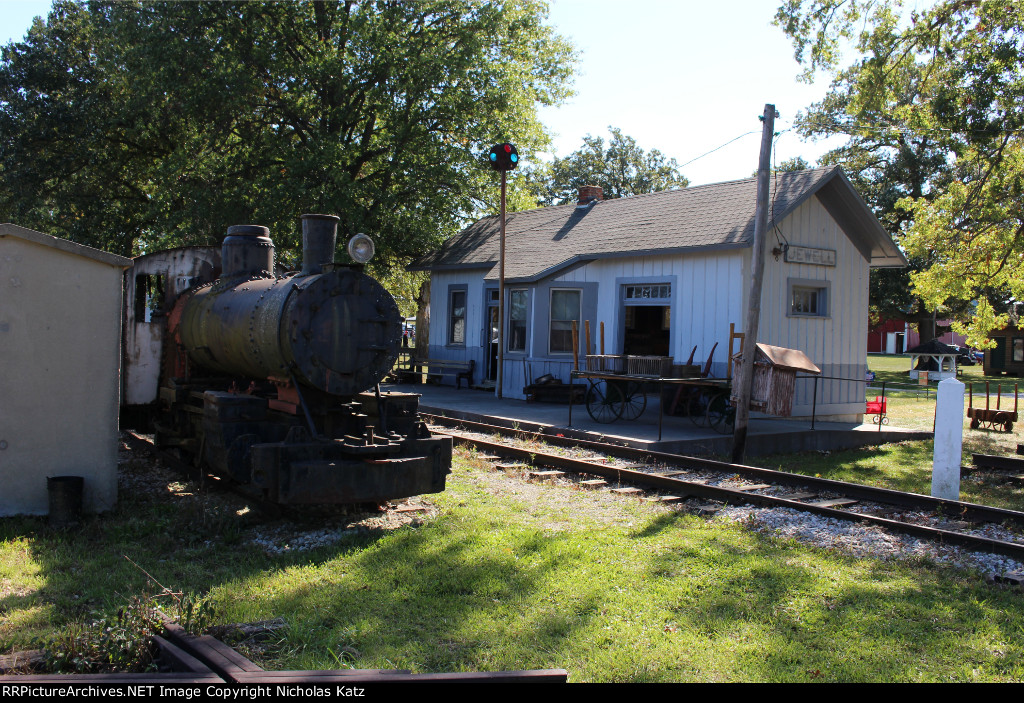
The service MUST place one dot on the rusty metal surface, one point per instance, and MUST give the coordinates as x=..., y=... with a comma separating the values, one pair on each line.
x=339, y=332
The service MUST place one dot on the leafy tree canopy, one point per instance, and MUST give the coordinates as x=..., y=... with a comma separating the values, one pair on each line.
x=136, y=126
x=621, y=168
x=933, y=109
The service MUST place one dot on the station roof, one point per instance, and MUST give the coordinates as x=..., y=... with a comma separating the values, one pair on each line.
x=547, y=241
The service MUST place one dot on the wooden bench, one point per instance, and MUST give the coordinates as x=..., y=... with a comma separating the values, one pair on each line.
x=436, y=369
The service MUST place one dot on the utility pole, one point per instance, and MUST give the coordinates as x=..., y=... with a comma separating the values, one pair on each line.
x=743, y=393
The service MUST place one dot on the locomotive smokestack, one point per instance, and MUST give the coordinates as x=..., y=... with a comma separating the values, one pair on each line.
x=319, y=237
x=247, y=249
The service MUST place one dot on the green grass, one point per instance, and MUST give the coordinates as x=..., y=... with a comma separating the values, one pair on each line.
x=513, y=576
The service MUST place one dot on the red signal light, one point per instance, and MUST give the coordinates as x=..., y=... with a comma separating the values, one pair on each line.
x=503, y=157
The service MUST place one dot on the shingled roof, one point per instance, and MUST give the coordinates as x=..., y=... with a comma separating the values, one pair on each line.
x=546, y=241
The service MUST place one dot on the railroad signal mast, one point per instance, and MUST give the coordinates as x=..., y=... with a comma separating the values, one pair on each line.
x=503, y=158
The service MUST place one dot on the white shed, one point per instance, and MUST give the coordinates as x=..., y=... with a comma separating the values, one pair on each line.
x=60, y=358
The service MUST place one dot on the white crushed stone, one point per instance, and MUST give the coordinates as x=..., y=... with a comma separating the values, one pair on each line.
x=861, y=540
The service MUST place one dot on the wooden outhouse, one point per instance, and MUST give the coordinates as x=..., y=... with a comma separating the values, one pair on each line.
x=775, y=371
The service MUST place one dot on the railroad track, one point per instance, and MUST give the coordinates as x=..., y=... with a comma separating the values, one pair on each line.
x=673, y=477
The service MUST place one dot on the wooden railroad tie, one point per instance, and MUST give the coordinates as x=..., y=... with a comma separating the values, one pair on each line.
x=753, y=487
x=833, y=502
x=594, y=483
x=706, y=508
x=797, y=496
x=627, y=491
x=663, y=499
x=1014, y=578
x=511, y=467
x=989, y=461
x=546, y=474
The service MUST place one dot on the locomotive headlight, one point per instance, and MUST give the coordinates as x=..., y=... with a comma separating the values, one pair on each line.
x=360, y=248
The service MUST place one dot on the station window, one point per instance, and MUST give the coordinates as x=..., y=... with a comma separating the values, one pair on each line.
x=565, y=309
x=457, y=317
x=517, y=315
x=808, y=298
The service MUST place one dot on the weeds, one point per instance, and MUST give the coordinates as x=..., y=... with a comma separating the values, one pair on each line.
x=121, y=643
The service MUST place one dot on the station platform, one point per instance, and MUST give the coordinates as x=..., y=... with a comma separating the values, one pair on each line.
x=765, y=435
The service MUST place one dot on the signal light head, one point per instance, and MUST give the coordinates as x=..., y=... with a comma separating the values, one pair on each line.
x=503, y=157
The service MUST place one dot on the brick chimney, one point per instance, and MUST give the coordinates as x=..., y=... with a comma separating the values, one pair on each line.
x=588, y=193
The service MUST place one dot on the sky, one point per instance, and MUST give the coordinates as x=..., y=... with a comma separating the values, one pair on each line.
x=681, y=76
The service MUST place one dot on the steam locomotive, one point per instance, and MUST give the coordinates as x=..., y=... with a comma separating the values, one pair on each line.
x=271, y=379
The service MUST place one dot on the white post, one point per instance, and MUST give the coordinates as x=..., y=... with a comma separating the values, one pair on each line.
x=949, y=439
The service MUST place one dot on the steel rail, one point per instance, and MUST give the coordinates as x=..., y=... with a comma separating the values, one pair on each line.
x=973, y=512
x=684, y=489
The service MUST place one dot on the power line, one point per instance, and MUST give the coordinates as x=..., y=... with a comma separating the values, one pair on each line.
x=718, y=147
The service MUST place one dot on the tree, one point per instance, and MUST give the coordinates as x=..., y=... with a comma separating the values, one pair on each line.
x=797, y=163
x=621, y=169
x=140, y=125
x=934, y=110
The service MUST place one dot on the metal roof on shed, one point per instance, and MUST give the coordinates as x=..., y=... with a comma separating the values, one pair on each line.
x=65, y=245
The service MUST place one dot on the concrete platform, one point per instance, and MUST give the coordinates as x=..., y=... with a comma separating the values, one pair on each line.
x=766, y=435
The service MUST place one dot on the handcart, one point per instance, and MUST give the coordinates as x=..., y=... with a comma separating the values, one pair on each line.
x=991, y=418
x=615, y=384
x=617, y=387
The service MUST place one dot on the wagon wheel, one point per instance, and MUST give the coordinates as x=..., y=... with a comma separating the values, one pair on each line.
x=697, y=407
x=604, y=401
x=975, y=423
x=1008, y=426
x=721, y=414
x=876, y=419
x=634, y=402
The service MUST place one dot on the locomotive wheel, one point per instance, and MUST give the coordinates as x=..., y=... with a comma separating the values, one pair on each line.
x=635, y=401
x=604, y=401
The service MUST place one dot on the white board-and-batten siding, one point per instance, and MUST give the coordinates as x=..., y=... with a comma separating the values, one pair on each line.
x=834, y=342
x=706, y=296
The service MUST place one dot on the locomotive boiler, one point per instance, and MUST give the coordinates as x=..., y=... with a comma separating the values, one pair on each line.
x=272, y=380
